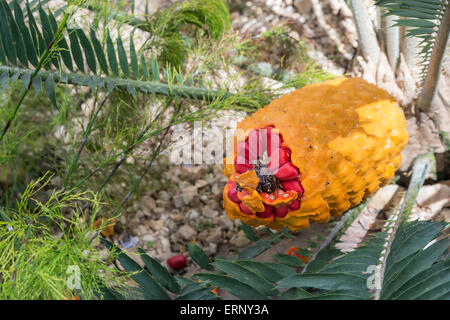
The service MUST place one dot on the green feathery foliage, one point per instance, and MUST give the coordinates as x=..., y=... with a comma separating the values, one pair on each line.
x=172, y=28
x=47, y=240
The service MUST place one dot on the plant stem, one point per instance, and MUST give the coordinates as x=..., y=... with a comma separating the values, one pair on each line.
x=130, y=148
x=123, y=84
x=147, y=168
x=174, y=121
x=434, y=68
x=421, y=167
x=338, y=229
x=366, y=34
x=392, y=38
x=86, y=134
x=409, y=47
x=43, y=58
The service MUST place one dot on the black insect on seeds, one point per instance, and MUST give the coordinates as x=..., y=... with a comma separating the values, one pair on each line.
x=268, y=183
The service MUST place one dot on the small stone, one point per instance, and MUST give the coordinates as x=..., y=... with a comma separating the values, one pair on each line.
x=178, y=202
x=164, y=231
x=209, y=213
x=216, y=190
x=140, y=214
x=157, y=224
x=433, y=197
x=239, y=239
x=367, y=218
x=141, y=230
x=178, y=218
x=148, y=238
x=303, y=6
x=383, y=197
x=171, y=225
x=186, y=232
x=165, y=245
x=204, y=198
x=203, y=235
x=193, y=215
x=214, y=236
x=200, y=183
x=148, y=204
x=213, y=247
x=162, y=203
x=158, y=212
x=444, y=215
x=188, y=194
x=174, y=238
x=225, y=223
x=213, y=204
x=164, y=195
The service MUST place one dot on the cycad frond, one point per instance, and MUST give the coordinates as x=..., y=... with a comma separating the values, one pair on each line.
x=81, y=59
x=406, y=256
x=421, y=18
x=405, y=261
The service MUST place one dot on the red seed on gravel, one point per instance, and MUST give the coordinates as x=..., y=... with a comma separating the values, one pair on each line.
x=177, y=262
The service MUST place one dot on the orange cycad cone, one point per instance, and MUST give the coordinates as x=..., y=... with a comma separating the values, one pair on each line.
x=336, y=143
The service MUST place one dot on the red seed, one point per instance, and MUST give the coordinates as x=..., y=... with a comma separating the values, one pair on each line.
x=281, y=212
x=267, y=212
x=286, y=172
x=294, y=205
x=253, y=142
x=241, y=165
x=274, y=141
x=232, y=192
x=278, y=158
x=287, y=150
x=243, y=151
x=293, y=185
x=257, y=142
x=244, y=209
x=177, y=262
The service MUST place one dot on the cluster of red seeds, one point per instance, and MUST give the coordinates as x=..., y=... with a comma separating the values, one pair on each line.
x=263, y=150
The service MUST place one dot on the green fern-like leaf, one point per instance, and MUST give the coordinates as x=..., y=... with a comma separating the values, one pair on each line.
x=413, y=267
x=422, y=18
x=80, y=59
